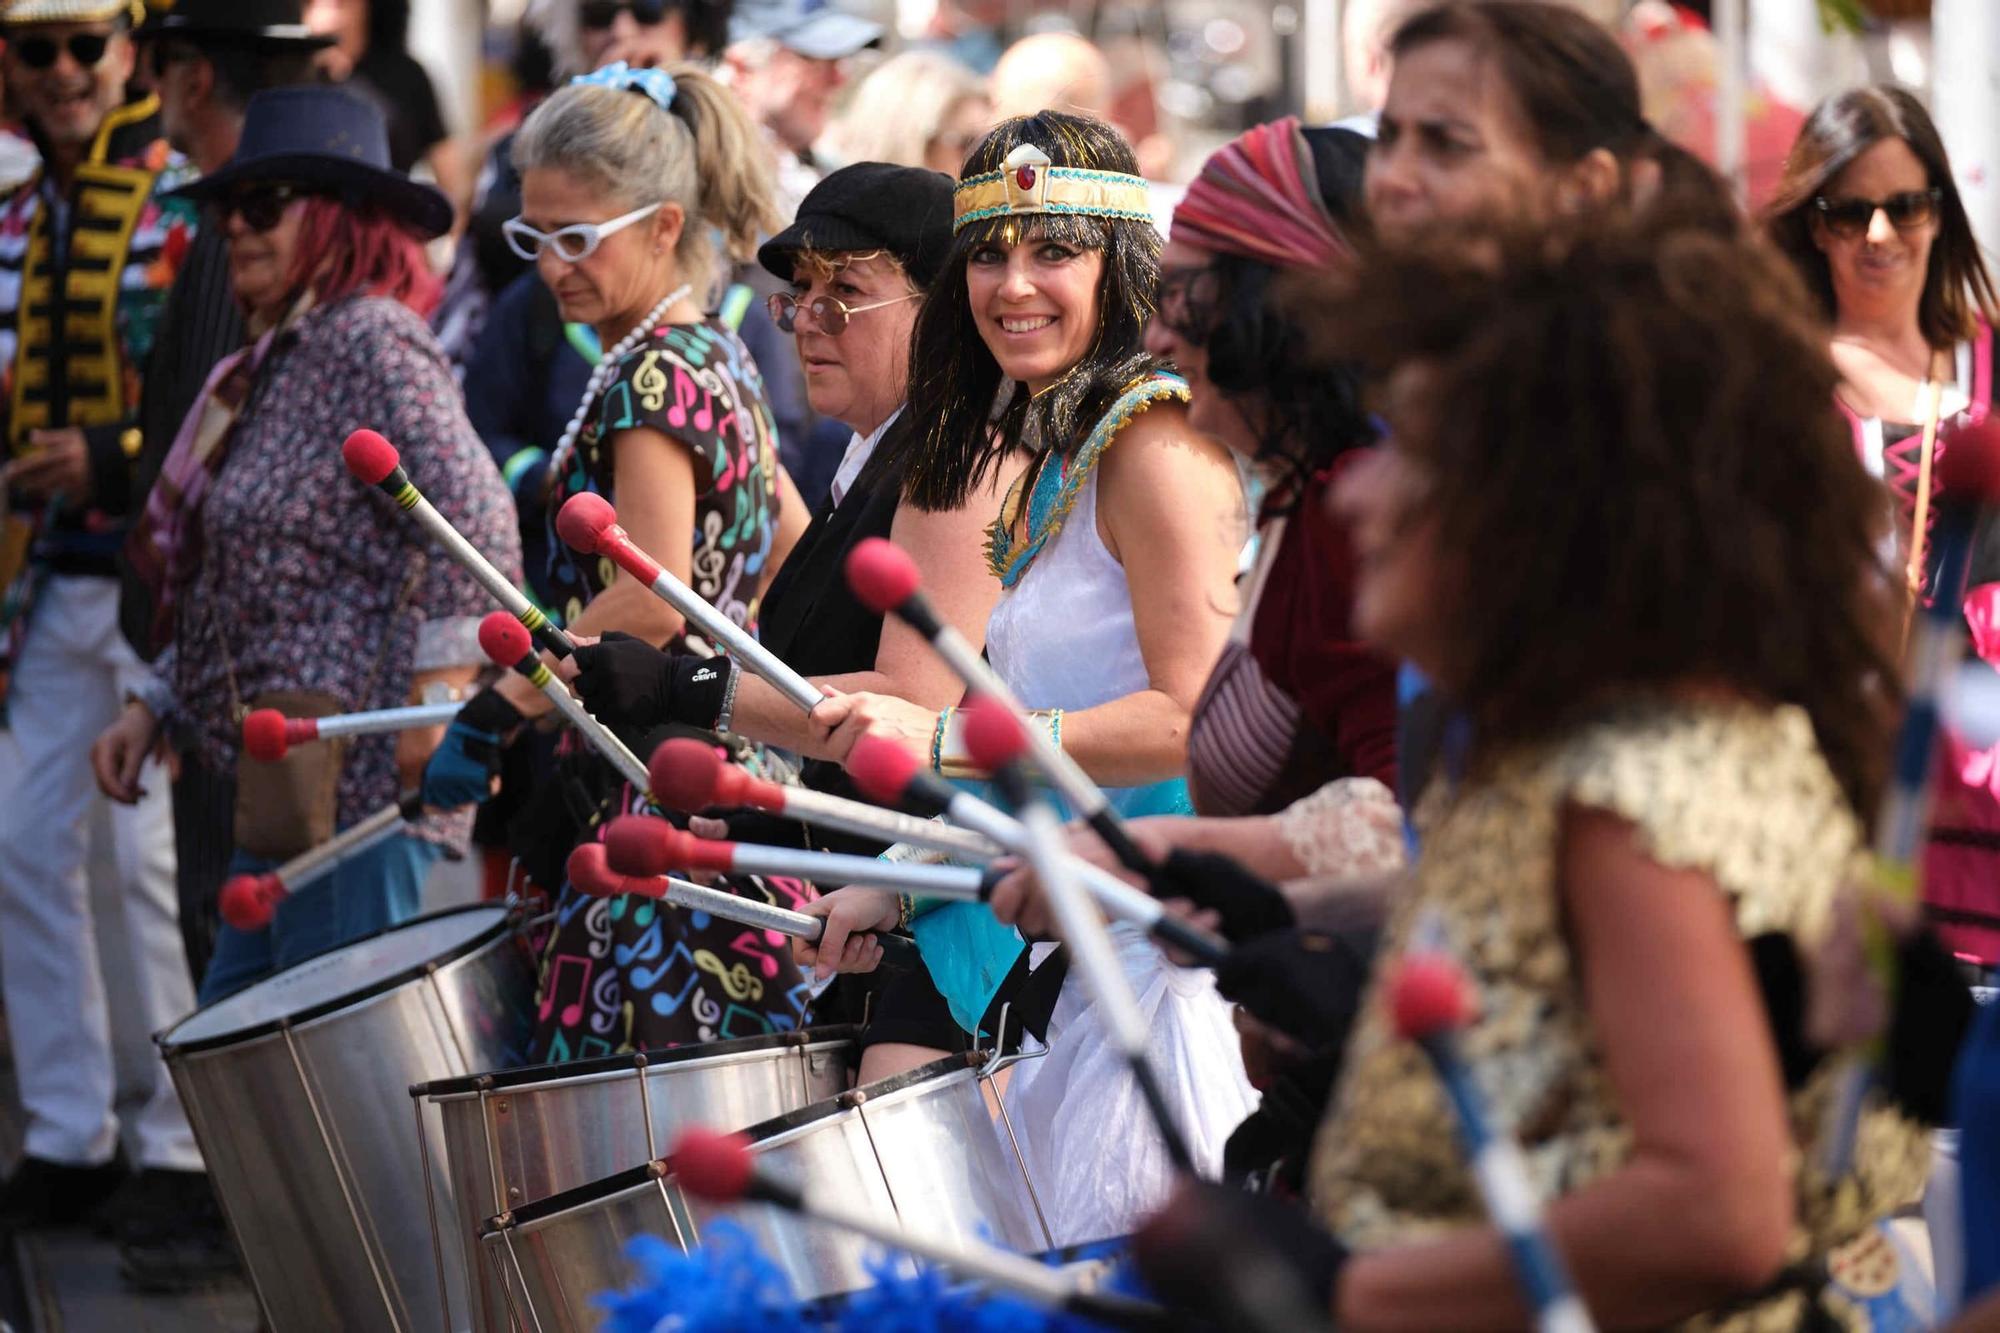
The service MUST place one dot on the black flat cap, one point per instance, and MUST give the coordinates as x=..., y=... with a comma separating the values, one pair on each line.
x=871, y=206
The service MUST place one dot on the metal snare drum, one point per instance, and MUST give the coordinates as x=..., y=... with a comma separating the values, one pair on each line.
x=920, y=1149
x=297, y=1087
x=528, y=1133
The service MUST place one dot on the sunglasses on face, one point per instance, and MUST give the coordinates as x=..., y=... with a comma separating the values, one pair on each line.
x=1187, y=300
x=645, y=13
x=85, y=48
x=572, y=244
x=830, y=313
x=261, y=207
x=1851, y=217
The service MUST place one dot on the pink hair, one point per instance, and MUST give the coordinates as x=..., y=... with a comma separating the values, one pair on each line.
x=346, y=251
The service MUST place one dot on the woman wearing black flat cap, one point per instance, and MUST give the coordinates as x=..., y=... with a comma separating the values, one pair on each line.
x=273, y=570
x=866, y=243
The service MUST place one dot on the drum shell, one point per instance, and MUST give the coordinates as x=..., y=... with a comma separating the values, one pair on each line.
x=926, y=1156
x=514, y=1142
x=312, y=1147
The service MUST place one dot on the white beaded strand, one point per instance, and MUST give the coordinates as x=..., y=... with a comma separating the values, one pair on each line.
x=607, y=367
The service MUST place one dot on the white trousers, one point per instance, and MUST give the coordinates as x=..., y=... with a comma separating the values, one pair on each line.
x=68, y=686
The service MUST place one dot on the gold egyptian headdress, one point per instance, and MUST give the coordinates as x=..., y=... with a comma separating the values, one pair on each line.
x=1027, y=183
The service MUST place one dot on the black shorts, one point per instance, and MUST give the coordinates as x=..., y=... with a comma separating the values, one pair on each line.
x=903, y=1007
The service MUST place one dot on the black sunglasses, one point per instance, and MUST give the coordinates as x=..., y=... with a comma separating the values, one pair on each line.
x=85, y=48
x=261, y=207
x=1850, y=217
x=646, y=13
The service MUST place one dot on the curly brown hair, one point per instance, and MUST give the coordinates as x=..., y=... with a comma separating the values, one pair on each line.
x=1641, y=479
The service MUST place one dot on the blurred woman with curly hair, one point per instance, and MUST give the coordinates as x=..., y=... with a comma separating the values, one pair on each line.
x=1618, y=524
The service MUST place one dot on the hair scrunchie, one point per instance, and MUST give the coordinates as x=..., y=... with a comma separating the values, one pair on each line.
x=655, y=84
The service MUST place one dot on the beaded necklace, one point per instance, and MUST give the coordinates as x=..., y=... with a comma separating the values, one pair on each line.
x=607, y=368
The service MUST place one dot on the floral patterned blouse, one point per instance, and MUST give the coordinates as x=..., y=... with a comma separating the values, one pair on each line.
x=304, y=567
x=1738, y=791
x=695, y=384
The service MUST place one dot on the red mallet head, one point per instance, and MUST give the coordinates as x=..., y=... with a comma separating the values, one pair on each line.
x=713, y=1166
x=640, y=845
x=686, y=773
x=264, y=735
x=994, y=737
x=248, y=901
x=505, y=639
x=1968, y=466
x=1429, y=995
x=370, y=457
x=590, y=872
x=881, y=768
x=882, y=575
x=584, y=520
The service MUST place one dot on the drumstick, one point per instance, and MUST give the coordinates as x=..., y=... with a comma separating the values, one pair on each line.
x=505, y=640
x=887, y=772
x=374, y=460
x=1968, y=481
x=689, y=775
x=885, y=579
x=590, y=873
x=269, y=734
x=644, y=846
x=248, y=901
x=589, y=524
x=719, y=1168
x=1429, y=1001
x=998, y=742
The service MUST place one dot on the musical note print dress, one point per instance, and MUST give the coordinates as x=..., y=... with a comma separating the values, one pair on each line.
x=624, y=974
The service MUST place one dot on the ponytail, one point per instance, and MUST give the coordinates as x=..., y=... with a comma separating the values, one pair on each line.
x=683, y=140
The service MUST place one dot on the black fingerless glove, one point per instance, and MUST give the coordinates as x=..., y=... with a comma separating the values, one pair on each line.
x=489, y=711
x=1928, y=1019
x=629, y=684
x=1305, y=983
x=1241, y=1261
x=1249, y=906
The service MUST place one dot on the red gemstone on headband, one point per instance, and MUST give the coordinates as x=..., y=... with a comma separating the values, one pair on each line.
x=1025, y=177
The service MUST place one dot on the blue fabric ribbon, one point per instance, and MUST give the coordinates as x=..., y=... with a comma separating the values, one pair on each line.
x=654, y=83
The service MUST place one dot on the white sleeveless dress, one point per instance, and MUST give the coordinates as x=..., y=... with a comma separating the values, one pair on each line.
x=1064, y=637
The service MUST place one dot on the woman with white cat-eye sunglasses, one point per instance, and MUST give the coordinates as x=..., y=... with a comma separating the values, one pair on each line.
x=572, y=244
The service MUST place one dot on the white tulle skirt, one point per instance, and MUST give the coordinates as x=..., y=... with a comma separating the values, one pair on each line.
x=1089, y=1143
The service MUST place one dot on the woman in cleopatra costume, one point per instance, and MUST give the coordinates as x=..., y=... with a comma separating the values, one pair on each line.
x=1116, y=550
x=626, y=177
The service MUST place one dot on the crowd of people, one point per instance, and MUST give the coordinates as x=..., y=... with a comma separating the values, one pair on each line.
x=1466, y=531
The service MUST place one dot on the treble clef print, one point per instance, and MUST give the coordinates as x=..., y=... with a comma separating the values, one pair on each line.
x=650, y=382
x=737, y=982
x=605, y=1003
x=597, y=921
x=709, y=561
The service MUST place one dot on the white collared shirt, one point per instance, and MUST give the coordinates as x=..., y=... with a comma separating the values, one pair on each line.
x=859, y=450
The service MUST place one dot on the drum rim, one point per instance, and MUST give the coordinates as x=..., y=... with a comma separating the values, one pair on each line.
x=527, y=1078
x=762, y=1134
x=170, y=1049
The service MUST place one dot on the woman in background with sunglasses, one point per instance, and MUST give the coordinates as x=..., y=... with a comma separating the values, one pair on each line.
x=271, y=569
x=1870, y=214
x=628, y=177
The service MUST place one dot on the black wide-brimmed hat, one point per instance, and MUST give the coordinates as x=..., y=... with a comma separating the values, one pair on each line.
x=322, y=138
x=870, y=206
x=268, y=25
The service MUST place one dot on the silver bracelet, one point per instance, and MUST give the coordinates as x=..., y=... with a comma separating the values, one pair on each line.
x=728, y=711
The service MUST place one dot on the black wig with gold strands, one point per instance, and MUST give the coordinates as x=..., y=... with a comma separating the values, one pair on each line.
x=967, y=419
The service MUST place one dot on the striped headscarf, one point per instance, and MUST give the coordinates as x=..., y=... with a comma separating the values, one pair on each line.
x=1259, y=197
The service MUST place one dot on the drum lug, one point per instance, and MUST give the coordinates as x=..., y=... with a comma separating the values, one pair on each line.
x=500, y=1106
